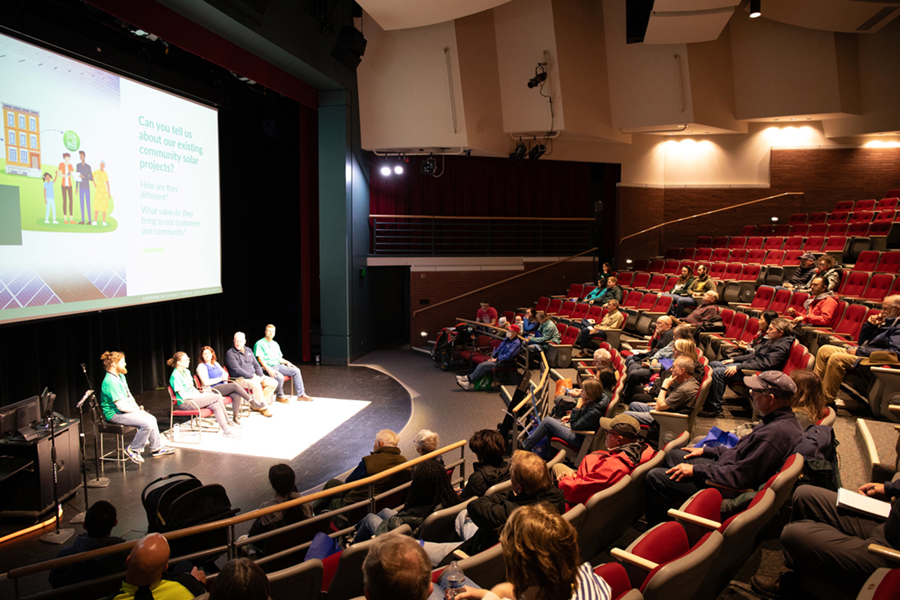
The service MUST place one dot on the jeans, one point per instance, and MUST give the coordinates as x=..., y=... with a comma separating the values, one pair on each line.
x=663, y=493
x=51, y=205
x=482, y=369
x=366, y=528
x=147, y=429
x=719, y=380
x=437, y=551
x=640, y=411
x=84, y=194
x=587, y=335
x=282, y=371
x=680, y=303
x=552, y=428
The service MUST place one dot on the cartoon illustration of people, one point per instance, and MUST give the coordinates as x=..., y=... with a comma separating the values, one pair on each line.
x=85, y=177
x=66, y=185
x=102, y=192
x=49, y=200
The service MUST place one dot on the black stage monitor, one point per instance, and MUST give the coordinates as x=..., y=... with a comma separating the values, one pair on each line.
x=28, y=412
x=8, y=422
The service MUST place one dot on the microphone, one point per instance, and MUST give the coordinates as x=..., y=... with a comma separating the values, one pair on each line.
x=87, y=395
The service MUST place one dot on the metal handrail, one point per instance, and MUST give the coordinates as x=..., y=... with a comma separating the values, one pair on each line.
x=508, y=279
x=710, y=212
x=230, y=522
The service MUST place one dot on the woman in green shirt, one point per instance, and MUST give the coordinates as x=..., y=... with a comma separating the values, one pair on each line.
x=182, y=383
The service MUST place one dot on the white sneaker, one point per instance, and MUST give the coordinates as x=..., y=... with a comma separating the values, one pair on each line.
x=104, y=224
x=466, y=385
x=231, y=433
x=93, y=222
x=46, y=221
x=55, y=222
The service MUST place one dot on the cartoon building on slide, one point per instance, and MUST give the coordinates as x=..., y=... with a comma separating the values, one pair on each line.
x=23, y=140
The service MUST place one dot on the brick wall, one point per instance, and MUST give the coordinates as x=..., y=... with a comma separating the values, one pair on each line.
x=435, y=286
x=825, y=176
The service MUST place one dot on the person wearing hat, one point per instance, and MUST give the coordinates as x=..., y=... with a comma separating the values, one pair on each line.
x=755, y=458
x=803, y=274
x=879, y=334
x=604, y=468
x=506, y=352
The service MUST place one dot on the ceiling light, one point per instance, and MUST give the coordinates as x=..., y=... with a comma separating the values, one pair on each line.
x=755, y=8
x=628, y=261
x=537, y=151
x=398, y=170
x=774, y=219
x=386, y=171
x=519, y=153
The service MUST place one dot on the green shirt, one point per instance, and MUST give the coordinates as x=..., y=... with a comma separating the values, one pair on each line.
x=269, y=352
x=183, y=385
x=114, y=387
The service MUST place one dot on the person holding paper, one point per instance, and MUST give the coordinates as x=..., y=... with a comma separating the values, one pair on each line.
x=826, y=540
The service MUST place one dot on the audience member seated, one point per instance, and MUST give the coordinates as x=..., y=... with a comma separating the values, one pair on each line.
x=479, y=524
x=829, y=270
x=540, y=552
x=663, y=335
x=879, y=332
x=283, y=481
x=702, y=283
x=247, y=371
x=487, y=314
x=683, y=285
x=804, y=273
x=639, y=374
x=98, y=524
x=592, y=333
x=706, y=313
x=503, y=355
x=183, y=385
x=809, y=402
x=146, y=576
x=606, y=271
x=820, y=309
x=604, y=468
x=268, y=352
x=428, y=441
x=529, y=323
x=212, y=375
x=770, y=355
x=385, y=455
x=755, y=458
x=120, y=407
x=605, y=292
x=240, y=579
x=396, y=568
x=741, y=347
x=429, y=491
x=829, y=543
x=546, y=334
x=677, y=392
x=682, y=348
x=491, y=466
x=589, y=408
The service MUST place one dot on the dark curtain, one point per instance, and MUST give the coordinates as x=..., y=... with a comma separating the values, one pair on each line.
x=483, y=187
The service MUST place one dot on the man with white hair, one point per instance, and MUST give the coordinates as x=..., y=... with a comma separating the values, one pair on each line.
x=880, y=332
x=707, y=311
x=242, y=365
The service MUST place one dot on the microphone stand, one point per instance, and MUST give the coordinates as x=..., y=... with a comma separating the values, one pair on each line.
x=98, y=482
x=60, y=536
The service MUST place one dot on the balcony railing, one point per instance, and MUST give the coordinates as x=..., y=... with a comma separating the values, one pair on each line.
x=423, y=235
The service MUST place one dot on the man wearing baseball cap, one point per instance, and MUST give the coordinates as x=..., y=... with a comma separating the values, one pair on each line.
x=803, y=275
x=746, y=466
x=604, y=468
x=506, y=352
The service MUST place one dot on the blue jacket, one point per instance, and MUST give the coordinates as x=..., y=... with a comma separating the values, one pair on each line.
x=884, y=338
x=507, y=350
x=529, y=326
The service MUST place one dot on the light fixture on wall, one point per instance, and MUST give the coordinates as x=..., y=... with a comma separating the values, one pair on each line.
x=755, y=9
x=429, y=165
x=537, y=151
x=520, y=152
x=386, y=171
x=774, y=219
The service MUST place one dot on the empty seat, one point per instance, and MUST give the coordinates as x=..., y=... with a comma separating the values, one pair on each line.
x=892, y=194
x=838, y=216
x=774, y=257
x=887, y=214
x=775, y=242
x=801, y=229
x=813, y=243
x=867, y=261
x=851, y=322
x=793, y=243
x=732, y=271
x=780, y=300
x=797, y=300
x=686, y=254
x=738, y=255
x=755, y=256
x=743, y=288
x=765, y=230
x=864, y=205
x=857, y=229
x=671, y=282
x=633, y=298
x=887, y=203
x=625, y=278
x=642, y=264
x=720, y=255
x=717, y=270
x=818, y=229
x=837, y=229
x=792, y=257
x=888, y=263
x=854, y=283
x=703, y=254
x=761, y=299
x=835, y=244
x=819, y=217
x=657, y=283
x=704, y=241
x=844, y=205
x=656, y=266
x=755, y=243
x=799, y=358
x=798, y=219
x=555, y=305
x=720, y=242
x=640, y=281
x=748, y=230
x=737, y=242
x=542, y=304
x=580, y=312
x=862, y=216
x=879, y=286
x=781, y=229
x=672, y=253
x=672, y=267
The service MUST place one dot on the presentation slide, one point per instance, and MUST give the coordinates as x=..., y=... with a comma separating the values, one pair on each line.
x=109, y=189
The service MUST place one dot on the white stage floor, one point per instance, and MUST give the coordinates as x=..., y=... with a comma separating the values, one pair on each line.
x=293, y=428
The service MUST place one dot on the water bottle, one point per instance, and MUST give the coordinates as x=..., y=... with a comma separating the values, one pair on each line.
x=455, y=580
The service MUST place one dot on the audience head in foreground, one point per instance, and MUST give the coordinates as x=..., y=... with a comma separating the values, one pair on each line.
x=396, y=568
x=427, y=441
x=240, y=579
x=146, y=577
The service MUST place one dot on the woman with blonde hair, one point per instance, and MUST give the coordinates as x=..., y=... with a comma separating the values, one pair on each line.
x=182, y=383
x=809, y=401
x=540, y=551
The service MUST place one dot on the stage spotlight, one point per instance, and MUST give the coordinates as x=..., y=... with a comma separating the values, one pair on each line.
x=537, y=151
x=537, y=80
x=386, y=171
x=398, y=170
x=429, y=166
x=755, y=8
x=519, y=153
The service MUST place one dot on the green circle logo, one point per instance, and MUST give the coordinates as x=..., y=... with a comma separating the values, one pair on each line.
x=71, y=140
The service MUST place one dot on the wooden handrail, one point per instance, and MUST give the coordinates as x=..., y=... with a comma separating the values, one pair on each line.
x=508, y=279
x=631, y=235
x=206, y=527
x=482, y=218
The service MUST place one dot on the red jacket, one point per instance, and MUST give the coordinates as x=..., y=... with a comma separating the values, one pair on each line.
x=598, y=471
x=821, y=313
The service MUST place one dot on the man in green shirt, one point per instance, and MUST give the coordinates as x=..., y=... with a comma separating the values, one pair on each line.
x=268, y=352
x=120, y=407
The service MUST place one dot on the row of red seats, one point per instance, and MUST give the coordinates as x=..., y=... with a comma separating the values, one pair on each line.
x=798, y=232
x=890, y=200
